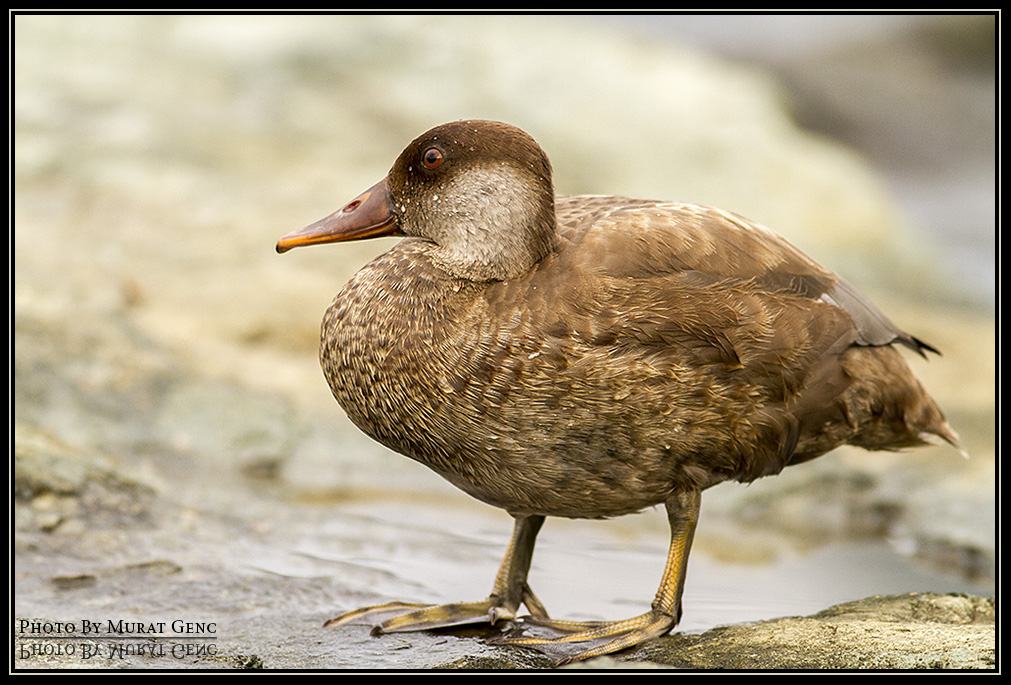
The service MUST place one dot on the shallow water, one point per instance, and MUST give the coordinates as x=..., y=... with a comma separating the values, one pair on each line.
x=592, y=570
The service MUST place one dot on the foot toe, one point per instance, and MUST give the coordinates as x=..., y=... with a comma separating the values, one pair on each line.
x=609, y=637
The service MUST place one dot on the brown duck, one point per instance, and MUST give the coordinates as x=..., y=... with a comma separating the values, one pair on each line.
x=592, y=356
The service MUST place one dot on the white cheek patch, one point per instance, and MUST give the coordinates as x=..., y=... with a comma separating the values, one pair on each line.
x=481, y=215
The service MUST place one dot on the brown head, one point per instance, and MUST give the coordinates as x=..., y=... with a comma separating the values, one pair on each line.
x=481, y=191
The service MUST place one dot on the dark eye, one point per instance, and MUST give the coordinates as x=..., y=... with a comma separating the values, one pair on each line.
x=432, y=158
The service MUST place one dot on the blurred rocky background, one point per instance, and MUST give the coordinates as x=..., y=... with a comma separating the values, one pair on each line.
x=177, y=454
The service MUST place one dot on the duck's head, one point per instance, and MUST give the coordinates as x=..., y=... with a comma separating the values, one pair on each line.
x=480, y=191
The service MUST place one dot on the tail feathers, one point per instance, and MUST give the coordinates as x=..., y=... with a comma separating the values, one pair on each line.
x=925, y=420
x=943, y=433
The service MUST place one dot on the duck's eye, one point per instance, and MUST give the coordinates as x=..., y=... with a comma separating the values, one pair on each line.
x=432, y=158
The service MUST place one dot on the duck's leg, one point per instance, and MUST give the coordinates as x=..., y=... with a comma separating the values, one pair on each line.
x=510, y=590
x=683, y=514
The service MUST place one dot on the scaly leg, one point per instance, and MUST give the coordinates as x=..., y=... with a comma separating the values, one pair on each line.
x=683, y=514
x=509, y=591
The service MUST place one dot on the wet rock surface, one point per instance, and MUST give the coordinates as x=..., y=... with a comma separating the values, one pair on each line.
x=904, y=632
x=177, y=456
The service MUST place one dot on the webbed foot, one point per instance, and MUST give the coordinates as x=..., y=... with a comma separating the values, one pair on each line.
x=608, y=636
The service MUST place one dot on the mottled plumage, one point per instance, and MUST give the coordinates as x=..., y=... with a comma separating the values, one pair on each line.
x=591, y=356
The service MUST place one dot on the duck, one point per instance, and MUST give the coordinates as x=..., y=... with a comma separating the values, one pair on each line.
x=592, y=356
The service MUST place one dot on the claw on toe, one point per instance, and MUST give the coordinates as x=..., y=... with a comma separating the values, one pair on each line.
x=350, y=616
